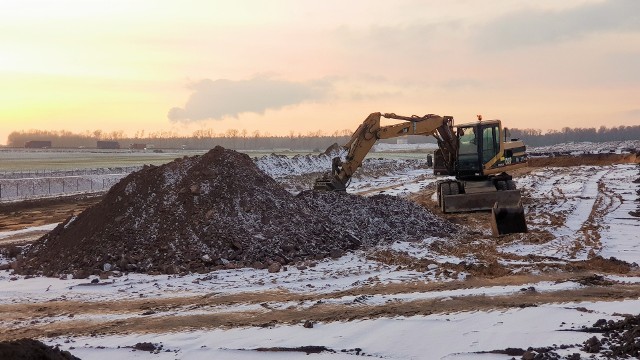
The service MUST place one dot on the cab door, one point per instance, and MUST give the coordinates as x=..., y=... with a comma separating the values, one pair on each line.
x=469, y=162
x=490, y=142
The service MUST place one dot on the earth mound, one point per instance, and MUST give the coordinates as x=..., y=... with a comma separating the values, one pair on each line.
x=213, y=211
x=32, y=349
x=377, y=219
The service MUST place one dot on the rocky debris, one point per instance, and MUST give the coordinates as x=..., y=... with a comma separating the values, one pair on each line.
x=32, y=349
x=274, y=268
x=592, y=345
x=543, y=353
x=305, y=349
x=308, y=324
x=146, y=346
x=620, y=339
x=215, y=211
x=377, y=219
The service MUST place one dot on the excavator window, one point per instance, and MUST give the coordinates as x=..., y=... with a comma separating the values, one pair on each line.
x=490, y=142
x=468, y=143
x=468, y=159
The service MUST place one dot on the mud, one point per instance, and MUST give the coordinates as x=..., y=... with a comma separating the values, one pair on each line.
x=23, y=214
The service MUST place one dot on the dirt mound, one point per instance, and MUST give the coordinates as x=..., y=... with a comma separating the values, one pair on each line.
x=32, y=349
x=377, y=219
x=199, y=214
x=584, y=159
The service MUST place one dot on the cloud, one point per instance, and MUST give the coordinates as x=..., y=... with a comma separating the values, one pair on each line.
x=217, y=99
x=534, y=26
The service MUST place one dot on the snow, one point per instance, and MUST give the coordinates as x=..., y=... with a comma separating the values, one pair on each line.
x=577, y=148
x=621, y=233
x=585, y=197
x=47, y=227
x=442, y=336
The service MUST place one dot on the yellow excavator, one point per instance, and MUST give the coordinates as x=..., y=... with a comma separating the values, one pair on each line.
x=477, y=154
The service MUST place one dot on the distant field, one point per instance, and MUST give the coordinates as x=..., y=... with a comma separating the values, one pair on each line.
x=24, y=160
x=57, y=159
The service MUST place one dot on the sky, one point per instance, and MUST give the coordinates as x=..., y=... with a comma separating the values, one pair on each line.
x=299, y=66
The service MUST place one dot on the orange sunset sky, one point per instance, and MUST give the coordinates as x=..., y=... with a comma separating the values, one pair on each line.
x=306, y=65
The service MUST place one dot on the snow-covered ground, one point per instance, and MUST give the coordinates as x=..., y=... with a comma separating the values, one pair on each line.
x=586, y=147
x=461, y=335
x=585, y=211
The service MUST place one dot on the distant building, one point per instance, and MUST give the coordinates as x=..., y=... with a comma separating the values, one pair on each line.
x=37, y=144
x=138, y=146
x=108, y=145
x=402, y=140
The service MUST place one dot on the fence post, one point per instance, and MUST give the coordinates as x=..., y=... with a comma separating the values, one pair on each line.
x=63, y=185
x=33, y=187
x=49, y=185
x=77, y=184
x=17, y=183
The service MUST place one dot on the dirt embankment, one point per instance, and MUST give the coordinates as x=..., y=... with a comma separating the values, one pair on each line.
x=28, y=213
x=585, y=159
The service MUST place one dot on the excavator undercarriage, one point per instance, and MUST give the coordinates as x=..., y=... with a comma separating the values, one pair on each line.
x=477, y=154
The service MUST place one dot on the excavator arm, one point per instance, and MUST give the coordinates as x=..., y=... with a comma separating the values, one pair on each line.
x=371, y=131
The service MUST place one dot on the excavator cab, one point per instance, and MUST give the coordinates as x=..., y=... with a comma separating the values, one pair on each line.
x=481, y=182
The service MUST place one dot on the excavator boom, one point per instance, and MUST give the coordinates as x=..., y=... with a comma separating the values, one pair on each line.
x=371, y=131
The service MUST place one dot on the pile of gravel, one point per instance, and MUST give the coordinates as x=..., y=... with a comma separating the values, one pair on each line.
x=379, y=219
x=214, y=211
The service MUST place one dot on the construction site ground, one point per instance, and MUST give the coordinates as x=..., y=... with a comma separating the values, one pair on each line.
x=463, y=297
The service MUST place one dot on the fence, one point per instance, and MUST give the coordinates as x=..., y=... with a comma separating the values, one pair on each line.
x=40, y=185
x=27, y=174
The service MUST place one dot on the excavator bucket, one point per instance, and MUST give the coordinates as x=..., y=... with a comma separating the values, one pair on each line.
x=327, y=183
x=477, y=196
x=507, y=219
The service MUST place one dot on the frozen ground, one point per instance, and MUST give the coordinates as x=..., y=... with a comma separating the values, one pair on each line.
x=588, y=147
x=443, y=336
x=586, y=209
x=432, y=299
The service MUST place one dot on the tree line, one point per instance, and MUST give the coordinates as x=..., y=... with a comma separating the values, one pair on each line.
x=199, y=140
x=535, y=137
x=245, y=140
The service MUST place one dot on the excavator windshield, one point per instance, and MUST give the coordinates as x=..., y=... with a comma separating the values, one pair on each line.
x=468, y=163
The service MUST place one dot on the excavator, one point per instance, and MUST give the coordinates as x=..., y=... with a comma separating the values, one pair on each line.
x=478, y=156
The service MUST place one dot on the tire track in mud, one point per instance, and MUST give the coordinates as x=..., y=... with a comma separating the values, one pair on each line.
x=570, y=204
x=319, y=312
